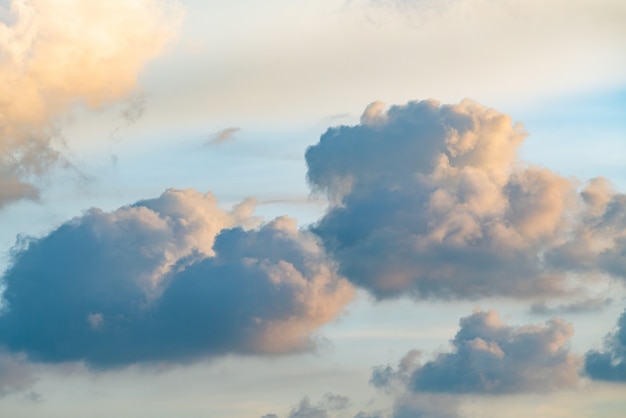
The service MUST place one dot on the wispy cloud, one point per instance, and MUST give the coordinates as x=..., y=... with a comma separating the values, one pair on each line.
x=222, y=136
x=578, y=307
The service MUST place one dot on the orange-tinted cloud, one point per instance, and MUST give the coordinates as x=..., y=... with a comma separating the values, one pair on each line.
x=433, y=201
x=58, y=54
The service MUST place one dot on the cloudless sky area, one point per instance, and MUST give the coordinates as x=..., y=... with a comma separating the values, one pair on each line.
x=313, y=209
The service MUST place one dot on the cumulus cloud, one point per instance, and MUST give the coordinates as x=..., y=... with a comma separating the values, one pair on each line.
x=490, y=357
x=168, y=279
x=432, y=200
x=58, y=54
x=609, y=364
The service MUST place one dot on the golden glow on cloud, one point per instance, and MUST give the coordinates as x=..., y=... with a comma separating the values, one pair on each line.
x=57, y=54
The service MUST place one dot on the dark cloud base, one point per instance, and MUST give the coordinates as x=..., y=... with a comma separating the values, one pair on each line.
x=610, y=364
x=490, y=357
x=113, y=289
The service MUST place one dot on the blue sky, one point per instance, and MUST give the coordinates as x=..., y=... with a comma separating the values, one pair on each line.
x=128, y=290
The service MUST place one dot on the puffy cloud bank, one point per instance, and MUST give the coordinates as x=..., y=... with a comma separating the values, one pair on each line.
x=490, y=357
x=431, y=200
x=58, y=54
x=169, y=279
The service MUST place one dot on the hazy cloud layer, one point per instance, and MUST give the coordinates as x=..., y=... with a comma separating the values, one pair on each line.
x=490, y=357
x=579, y=307
x=16, y=373
x=609, y=364
x=168, y=279
x=431, y=200
x=55, y=55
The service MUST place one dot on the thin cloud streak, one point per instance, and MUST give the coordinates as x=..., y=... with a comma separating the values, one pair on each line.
x=225, y=135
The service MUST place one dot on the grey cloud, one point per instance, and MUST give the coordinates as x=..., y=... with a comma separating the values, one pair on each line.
x=335, y=402
x=134, y=109
x=34, y=397
x=578, y=307
x=306, y=409
x=490, y=357
x=411, y=406
x=431, y=200
x=609, y=364
x=362, y=414
x=386, y=377
x=169, y=279
x=16, y=374
x=426, y=406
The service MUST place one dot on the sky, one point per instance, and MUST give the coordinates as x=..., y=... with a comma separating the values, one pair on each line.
x=330, y=209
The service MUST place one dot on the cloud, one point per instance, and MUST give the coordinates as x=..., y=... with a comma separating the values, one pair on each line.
x=58, y=54
x=410, y=9
x=16, y=374
x=170, y=279
x=426, y=406
x=432, y=201
x=135, y=108
x=490, y=357
x=610, y=364
x=223, y=136
x=582, y=306
x=362, y=414
x=306, y=409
